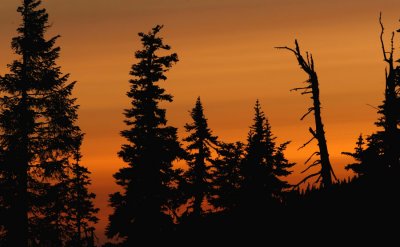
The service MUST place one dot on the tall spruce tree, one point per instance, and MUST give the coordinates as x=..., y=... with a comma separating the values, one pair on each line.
x=200, y=142
x=143, y=207
x=38, y=135
x=264, y=166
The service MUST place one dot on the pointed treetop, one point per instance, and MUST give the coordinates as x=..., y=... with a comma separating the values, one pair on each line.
x=259, y=120
x=198, y=111
x=199, y=105
x=152, y=41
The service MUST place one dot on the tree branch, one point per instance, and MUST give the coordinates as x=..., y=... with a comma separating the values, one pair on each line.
x=303, y=64
x=319, y=178
x=376, y=108
x=286, y=48
x=312, y=155
x=300, y=88
x=312, y=132
x=315, y=163
x=309, y=111
x=305, y=144
x=308, y=177
x=388, y=60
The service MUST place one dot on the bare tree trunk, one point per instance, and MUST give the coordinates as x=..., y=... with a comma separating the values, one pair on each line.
x=326, y=171
x=326, y=167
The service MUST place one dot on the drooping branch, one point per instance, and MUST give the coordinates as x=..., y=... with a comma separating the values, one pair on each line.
x=214, y=146
x=315, y=163
x=309, y=158
x=307, y=178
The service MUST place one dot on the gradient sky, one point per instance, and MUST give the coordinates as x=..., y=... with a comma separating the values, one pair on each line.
x=227, y=56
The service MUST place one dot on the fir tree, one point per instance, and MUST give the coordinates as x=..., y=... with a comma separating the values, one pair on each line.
x=264, y=164
x=227, y=176
x=200, y=142
x=143, y=207
x=358, y=156
x=83, y=212
x=38, y=135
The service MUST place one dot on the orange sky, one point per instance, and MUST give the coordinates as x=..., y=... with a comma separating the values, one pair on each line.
x=226, y=57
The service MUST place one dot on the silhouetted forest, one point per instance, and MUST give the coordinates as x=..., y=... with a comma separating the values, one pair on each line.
x=226, y=192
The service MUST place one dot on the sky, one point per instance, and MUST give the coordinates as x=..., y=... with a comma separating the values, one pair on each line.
x=227, y=57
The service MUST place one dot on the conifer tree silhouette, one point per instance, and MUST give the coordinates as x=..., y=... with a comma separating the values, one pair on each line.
x=200, y=142
x=38, y=135
x=326, y=172
x=366, y=154
x=227, y=176
x=82, y=215
x=264, y=164
x=358, y=155
x=142, y=208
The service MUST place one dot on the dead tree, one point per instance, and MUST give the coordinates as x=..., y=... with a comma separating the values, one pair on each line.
x=389, y=109
x=326, y=172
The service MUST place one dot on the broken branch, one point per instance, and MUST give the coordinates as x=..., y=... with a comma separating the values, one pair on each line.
x=305, y=144
x=300, y=88
x=309, y=111
x=312, y=132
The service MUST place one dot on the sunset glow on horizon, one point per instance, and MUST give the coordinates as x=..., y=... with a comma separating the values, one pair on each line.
x=227, y=56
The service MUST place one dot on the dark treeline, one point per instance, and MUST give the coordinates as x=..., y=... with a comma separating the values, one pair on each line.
x=223, y=192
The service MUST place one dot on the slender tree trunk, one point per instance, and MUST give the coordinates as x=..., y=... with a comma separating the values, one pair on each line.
x=320, y=133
